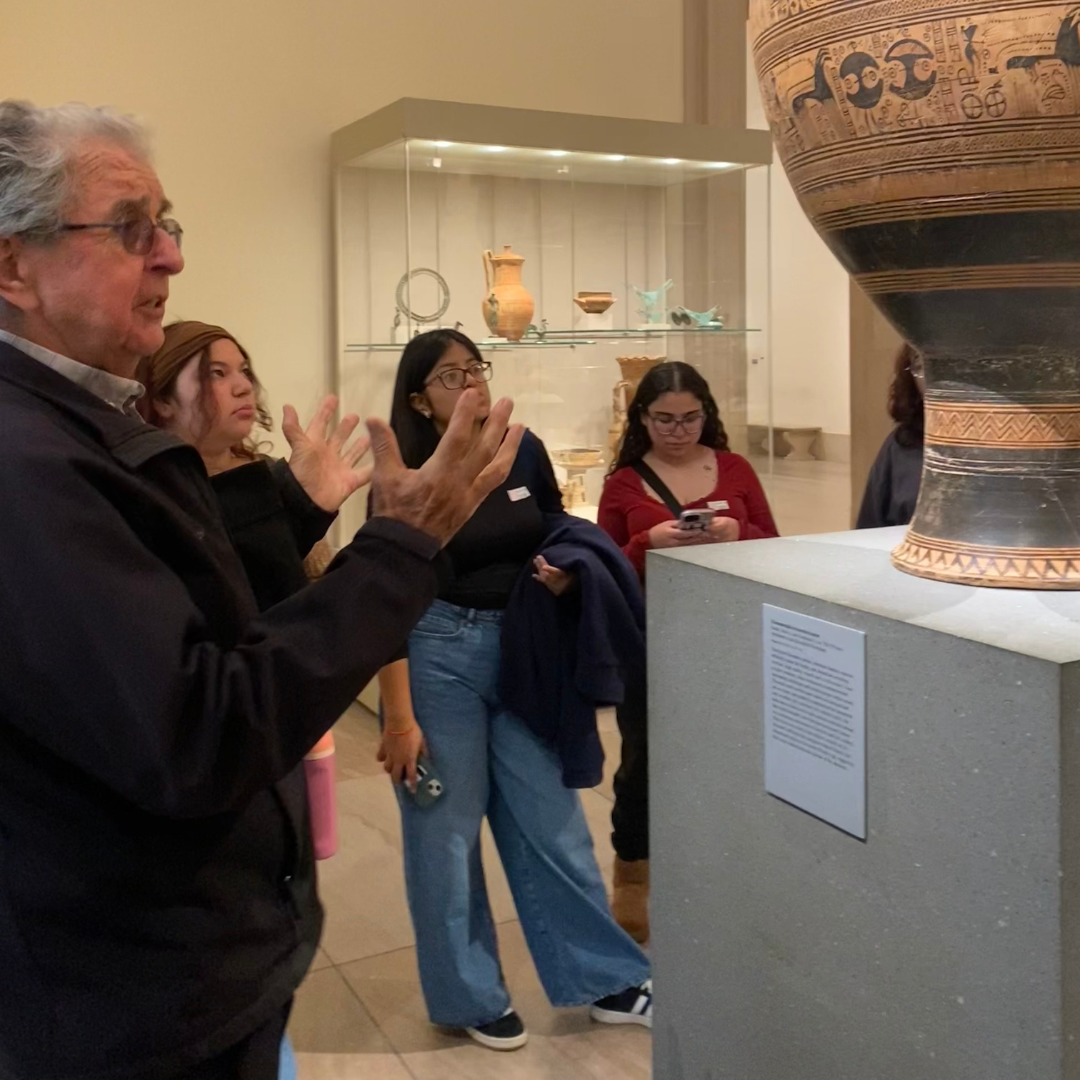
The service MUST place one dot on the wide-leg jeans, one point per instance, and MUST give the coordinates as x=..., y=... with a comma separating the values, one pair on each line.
x=492, y=765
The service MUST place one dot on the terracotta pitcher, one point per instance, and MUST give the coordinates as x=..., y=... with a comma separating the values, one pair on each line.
x=935, y=145
x=508, y=308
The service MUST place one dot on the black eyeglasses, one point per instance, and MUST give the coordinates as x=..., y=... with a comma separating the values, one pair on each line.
x=666, y=424
x=455, y=378
x=137, y=234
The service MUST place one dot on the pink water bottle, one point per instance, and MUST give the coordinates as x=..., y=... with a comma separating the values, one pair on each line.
x=322, y=802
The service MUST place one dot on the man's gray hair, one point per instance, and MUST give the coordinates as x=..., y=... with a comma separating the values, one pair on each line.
x=36, y=150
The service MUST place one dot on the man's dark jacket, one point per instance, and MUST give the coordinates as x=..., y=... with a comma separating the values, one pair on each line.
x=563, y=657
x=151, y=909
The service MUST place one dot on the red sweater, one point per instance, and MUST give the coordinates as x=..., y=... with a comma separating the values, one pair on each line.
x=627, y=513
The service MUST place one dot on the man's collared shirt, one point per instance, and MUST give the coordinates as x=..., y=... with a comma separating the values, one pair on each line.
x=115, y=390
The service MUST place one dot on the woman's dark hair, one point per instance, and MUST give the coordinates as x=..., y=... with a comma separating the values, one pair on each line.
x=416, y=433
x=674, y=377
x=905, y=398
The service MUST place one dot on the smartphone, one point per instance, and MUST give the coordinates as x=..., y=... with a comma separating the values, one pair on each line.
x=696, y=519
x=429, y=787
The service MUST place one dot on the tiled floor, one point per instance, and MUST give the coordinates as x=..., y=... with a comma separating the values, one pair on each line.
x=360, y=1016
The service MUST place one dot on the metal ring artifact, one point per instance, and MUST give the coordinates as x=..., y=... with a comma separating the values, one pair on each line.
x=402, y=304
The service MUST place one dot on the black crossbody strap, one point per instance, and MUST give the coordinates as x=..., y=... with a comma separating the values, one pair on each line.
x=659, y=487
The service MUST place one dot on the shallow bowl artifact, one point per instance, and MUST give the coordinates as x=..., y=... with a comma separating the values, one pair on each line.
x=594, y=303
x=935, y=145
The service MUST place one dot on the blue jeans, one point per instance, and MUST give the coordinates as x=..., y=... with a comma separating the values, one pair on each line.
x=491, y=764
x=287, y=1067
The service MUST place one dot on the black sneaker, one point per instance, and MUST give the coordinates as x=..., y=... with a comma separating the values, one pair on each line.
x=506, y=1033
x=633, y=1006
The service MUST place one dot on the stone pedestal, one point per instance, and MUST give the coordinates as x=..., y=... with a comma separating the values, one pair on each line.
x=945, y=947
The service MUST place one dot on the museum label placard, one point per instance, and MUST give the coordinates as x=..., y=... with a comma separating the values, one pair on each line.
x=815, y=717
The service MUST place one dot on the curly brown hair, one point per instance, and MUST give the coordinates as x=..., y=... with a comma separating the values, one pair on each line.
x=905, y=397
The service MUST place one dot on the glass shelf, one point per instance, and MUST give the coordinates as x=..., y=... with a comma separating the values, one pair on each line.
x=651, y=331
x=484, y=346
x=570, y=339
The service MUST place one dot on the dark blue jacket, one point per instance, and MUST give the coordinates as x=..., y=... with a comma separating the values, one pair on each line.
x=563, y=657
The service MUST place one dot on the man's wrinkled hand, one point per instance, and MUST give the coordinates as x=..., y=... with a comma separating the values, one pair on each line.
x=326, y=463
x=468, y=464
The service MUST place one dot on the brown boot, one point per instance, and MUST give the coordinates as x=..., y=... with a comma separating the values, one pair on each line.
x=630, y=900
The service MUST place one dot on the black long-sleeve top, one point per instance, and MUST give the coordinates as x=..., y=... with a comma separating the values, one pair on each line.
x=272, y=524
x=494, y=546
x=892, y=488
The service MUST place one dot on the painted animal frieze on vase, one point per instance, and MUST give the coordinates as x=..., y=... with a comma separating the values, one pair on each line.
x=935, y=146
x=508, y=306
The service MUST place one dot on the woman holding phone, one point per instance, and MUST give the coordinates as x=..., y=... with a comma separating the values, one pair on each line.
x=674, y=483
x=674, y=435
x=441, y=703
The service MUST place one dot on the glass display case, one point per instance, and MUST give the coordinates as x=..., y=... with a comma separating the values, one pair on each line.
x=575, y=250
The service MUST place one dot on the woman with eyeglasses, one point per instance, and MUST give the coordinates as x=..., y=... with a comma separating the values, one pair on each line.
x=674, y=457
x=673, y=428
x=443, y=701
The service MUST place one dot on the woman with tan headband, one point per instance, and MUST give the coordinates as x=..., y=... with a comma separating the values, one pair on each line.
x=201, y=387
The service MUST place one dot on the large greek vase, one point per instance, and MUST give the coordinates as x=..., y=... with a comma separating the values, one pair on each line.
x=936, y=148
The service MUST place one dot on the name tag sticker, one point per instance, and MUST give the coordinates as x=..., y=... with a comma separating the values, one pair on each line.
x=720, y=504
x=517, y=494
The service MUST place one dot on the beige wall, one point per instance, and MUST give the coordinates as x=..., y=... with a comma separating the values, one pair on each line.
x=243, y=95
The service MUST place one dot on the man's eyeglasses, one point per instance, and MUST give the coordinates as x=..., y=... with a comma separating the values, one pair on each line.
x=455, y=378
x=137, y=234
x=665, y=423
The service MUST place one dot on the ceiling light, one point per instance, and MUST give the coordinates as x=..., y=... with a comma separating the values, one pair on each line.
x=558, y=153
x=495, y=149
x=442, y=145
x=718, y=165
x=672, y=161
x=616, y=157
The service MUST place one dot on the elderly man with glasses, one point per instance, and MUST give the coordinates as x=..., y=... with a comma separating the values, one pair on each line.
x=157, y=902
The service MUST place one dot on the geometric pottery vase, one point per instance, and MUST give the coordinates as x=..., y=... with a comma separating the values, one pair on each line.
x=935, y=146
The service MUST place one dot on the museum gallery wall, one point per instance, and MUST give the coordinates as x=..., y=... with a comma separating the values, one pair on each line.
x=242, y=99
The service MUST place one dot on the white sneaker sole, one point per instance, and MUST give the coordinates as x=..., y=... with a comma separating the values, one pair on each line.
x=605, y=1016
x=515, y=1043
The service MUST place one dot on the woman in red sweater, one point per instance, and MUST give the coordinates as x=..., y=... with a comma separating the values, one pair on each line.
x=673, y=427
